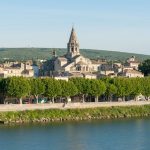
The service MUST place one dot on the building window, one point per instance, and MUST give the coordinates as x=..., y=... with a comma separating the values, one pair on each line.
x=79, y=68
x=72, y=49
x=87, y=68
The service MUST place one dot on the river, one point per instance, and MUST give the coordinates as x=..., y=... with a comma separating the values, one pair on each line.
x=131, y=134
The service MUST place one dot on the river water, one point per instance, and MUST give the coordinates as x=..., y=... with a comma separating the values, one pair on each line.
x=133, y=134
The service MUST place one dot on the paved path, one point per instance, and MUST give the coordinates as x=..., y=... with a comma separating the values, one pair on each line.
x=18, y=107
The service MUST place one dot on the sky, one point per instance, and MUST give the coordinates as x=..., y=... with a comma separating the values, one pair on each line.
x=118, y=25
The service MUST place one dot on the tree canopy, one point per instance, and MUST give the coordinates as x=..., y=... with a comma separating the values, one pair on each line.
x=125, y=88
x=68, y=88
x=145, y=67
x=52, y=87
x=37, y=87
x=17, y=87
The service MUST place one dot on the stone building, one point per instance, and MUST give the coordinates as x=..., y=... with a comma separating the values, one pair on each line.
x=10, y=69
x=130, y=68
x=133, y=63
x=72, y=62
x=132, y=73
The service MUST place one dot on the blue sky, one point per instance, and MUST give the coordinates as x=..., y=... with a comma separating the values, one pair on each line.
x=120, y=25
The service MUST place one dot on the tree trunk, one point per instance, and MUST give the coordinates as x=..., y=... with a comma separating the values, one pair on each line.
x=90, y=98
x=20, y=101
x=52, y=99
x=123, y=98
x=110, y=98
x=2, y=101
x=61, y=100
x=37, y=99
x=136, y=99
x=106, y=98
x=83, y=98
x=96, y=98
x=49, y=100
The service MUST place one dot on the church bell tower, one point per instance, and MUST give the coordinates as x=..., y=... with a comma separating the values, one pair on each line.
x=73, y=45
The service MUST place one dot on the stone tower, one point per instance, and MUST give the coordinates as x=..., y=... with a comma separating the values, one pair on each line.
x=73, y=45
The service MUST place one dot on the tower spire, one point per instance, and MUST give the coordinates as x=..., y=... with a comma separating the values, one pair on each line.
x=73, y=36
x=73, y=44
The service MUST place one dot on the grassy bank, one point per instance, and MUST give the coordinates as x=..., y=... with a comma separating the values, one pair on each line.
x=74, y=114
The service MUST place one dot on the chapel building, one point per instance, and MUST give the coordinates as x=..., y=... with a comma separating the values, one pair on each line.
x=73, y=61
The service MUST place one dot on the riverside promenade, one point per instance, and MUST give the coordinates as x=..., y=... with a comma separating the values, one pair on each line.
x=23, y=107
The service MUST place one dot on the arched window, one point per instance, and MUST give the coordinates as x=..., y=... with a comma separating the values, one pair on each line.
x=87, y=68
x=79, y=68
x=72, y=49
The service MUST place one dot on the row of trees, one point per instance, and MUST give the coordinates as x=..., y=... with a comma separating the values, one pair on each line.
x=107, y=88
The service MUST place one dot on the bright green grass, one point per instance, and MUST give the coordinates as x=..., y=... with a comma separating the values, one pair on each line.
x=72, y=114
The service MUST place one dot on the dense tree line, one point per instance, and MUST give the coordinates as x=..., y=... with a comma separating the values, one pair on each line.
x=106, y=89
x=145, y=67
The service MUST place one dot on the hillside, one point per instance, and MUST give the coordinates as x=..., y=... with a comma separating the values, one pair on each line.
x=46, y=53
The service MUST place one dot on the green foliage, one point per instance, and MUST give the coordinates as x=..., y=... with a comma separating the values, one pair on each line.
x=97, y=87
x=145, y=84
x=145, y=67
x=17, y=87
x=73, y=114
x=122, y=87
x=136, y=88
x=111, y=89
x=3, y=85
x=52, y=87
x=68, y=88
x=79, y=83
x=82, y=84
x=37, y=86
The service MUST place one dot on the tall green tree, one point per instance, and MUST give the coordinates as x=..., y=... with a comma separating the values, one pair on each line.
x=123, y=87
x=37, y=87
x=136, y=88
x=68, y=89
x=111, y=89
x=145, y=84
x=17, y=87
x=83, y=86
x=97, y=88
x=145, y=67
x=3, y=90
x=52, y=88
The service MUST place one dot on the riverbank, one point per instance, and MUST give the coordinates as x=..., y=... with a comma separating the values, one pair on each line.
x=52, y=115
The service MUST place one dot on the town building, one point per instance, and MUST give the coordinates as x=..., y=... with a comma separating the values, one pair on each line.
x=10, y=69
x=132, y=73
x=133, y=63
x=72, y=64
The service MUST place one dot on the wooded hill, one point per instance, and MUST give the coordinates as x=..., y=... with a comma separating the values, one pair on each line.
x=46, y=53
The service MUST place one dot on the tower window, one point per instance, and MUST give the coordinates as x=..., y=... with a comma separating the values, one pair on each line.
x=72, y=49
